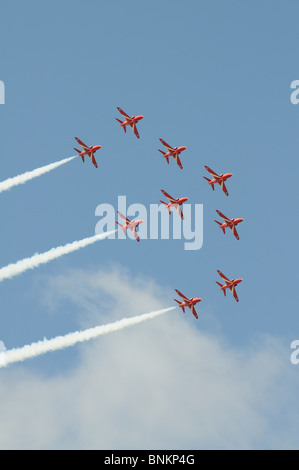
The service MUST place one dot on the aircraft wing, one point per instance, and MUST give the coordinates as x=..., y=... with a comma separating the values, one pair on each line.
x=177, y=159
x=84, y=146
x=178, y=208
x=136, y=234
x=234, y=230
x=93, y=160
x=181, y=295
x=222, y=275
x=211, y=171
x=233, y=290
x=123, y=217
x=223, y=187
x=134, y=127
x=166, y=145
x=226, y=219
x=170, y=198
x=192, y=308
x=125, y=115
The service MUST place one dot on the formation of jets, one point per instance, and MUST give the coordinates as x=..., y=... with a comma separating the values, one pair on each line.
x=176, y=203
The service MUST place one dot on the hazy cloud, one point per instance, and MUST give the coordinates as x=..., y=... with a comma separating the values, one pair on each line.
x=164, y=384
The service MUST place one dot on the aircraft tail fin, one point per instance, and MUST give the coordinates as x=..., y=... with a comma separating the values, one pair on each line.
x=219, y=223
x=209, y=182
x=79, y=151
x=164, y=153
x=121, y=122
x=165, y=204
x=221, y=285
x=178, y=301
x=123, y=227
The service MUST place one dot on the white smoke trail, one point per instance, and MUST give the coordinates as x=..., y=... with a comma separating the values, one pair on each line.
x=36, y=260
x=29, y=175
x=60, y=342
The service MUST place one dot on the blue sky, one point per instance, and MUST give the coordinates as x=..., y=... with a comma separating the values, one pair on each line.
x=214, y=76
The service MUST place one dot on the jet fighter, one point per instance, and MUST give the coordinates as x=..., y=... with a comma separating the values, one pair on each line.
x=129, y=121
x=176, y=203
x=229, y=223
x=89, y=151
x=188, y=303
x=220, y=179
x=172, y=152
x=229, y=284
x=130, y=224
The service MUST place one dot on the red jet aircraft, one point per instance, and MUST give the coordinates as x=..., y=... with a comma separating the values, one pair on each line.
x=130, y=224
x=172, y=152
x=229, y=223
x=176, y=203
x=220, y=179
x=229, y=284
x=129, y=121
x=188, y=303
x=89, y=151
